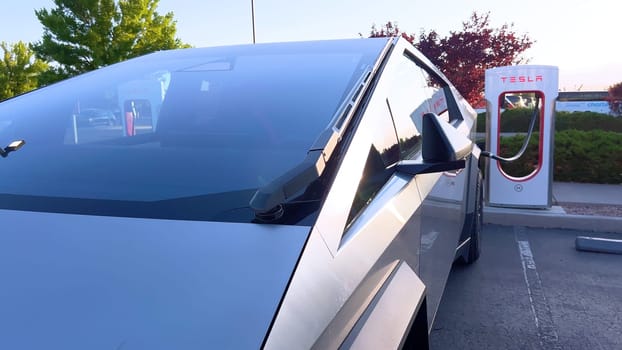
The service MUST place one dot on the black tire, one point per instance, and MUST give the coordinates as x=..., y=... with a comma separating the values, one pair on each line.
x=476, y=225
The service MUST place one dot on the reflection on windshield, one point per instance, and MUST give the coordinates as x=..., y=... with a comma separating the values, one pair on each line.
x=179, y=124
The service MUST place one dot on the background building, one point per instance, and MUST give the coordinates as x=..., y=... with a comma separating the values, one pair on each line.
x=583, y=101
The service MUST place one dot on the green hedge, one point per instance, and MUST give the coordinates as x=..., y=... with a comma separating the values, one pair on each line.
x=527, y=163
x=517, y=120
x=580, y=156
x=587, y=121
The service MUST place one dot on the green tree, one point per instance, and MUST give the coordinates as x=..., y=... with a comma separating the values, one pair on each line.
x=19, y=69
x=83, y=35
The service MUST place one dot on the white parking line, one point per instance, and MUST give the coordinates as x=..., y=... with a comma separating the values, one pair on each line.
x=539, y=305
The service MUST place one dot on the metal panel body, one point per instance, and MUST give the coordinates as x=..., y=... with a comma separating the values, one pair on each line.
x=96, y=282
x=534, y=190
x=443, y=216
x=348, y=269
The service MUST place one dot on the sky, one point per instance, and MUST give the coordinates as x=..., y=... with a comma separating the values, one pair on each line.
x=582, y=38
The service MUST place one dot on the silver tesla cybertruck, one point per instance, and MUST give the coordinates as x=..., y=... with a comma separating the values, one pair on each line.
x=280, y=196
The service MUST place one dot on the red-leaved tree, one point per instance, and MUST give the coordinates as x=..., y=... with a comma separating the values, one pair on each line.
x=615, y=98
x=463, y=56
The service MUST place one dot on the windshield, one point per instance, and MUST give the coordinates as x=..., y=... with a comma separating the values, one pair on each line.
x=206, y=127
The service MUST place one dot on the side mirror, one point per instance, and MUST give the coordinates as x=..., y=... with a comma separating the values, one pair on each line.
x=444, y=148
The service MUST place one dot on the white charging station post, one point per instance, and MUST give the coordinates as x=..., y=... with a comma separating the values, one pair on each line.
x=533, y=190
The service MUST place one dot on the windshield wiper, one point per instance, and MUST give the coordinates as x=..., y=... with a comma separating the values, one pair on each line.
x=13, y=146
x=268, y=200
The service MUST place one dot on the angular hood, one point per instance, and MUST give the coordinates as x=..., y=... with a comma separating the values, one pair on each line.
x=89, y=282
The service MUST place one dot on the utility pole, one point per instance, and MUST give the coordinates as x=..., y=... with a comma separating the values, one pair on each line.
x=253, y=18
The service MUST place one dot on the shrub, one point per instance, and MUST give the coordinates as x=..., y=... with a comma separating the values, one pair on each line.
x=587, y=121
x=527, y=163
x=512, y=120
x=517, y=120
x=588, y=156
x=580, y=156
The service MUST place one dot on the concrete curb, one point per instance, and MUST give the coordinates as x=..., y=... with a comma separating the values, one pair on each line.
x=598, y=245
x=551, y=218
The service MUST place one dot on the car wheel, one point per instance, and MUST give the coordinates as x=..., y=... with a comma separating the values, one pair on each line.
x=476, y=224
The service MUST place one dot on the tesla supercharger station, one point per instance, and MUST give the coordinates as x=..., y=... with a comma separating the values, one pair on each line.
x=524, y=86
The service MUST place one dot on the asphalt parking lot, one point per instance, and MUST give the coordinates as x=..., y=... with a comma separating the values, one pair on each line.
x=531, y=289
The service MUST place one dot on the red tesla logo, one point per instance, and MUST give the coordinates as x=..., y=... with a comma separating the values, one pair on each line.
x=521, y=79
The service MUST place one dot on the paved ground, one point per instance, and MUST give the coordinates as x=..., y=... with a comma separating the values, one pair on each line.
x=578, y=206
x=588, y=199
x=568, y=192
x=532, y=290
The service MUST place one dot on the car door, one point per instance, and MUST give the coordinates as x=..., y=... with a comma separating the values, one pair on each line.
x=416, y=92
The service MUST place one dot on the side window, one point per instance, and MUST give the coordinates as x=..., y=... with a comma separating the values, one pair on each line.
x=383, y=152
x=408, y=101
x=414, y=93
x=436, y=91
